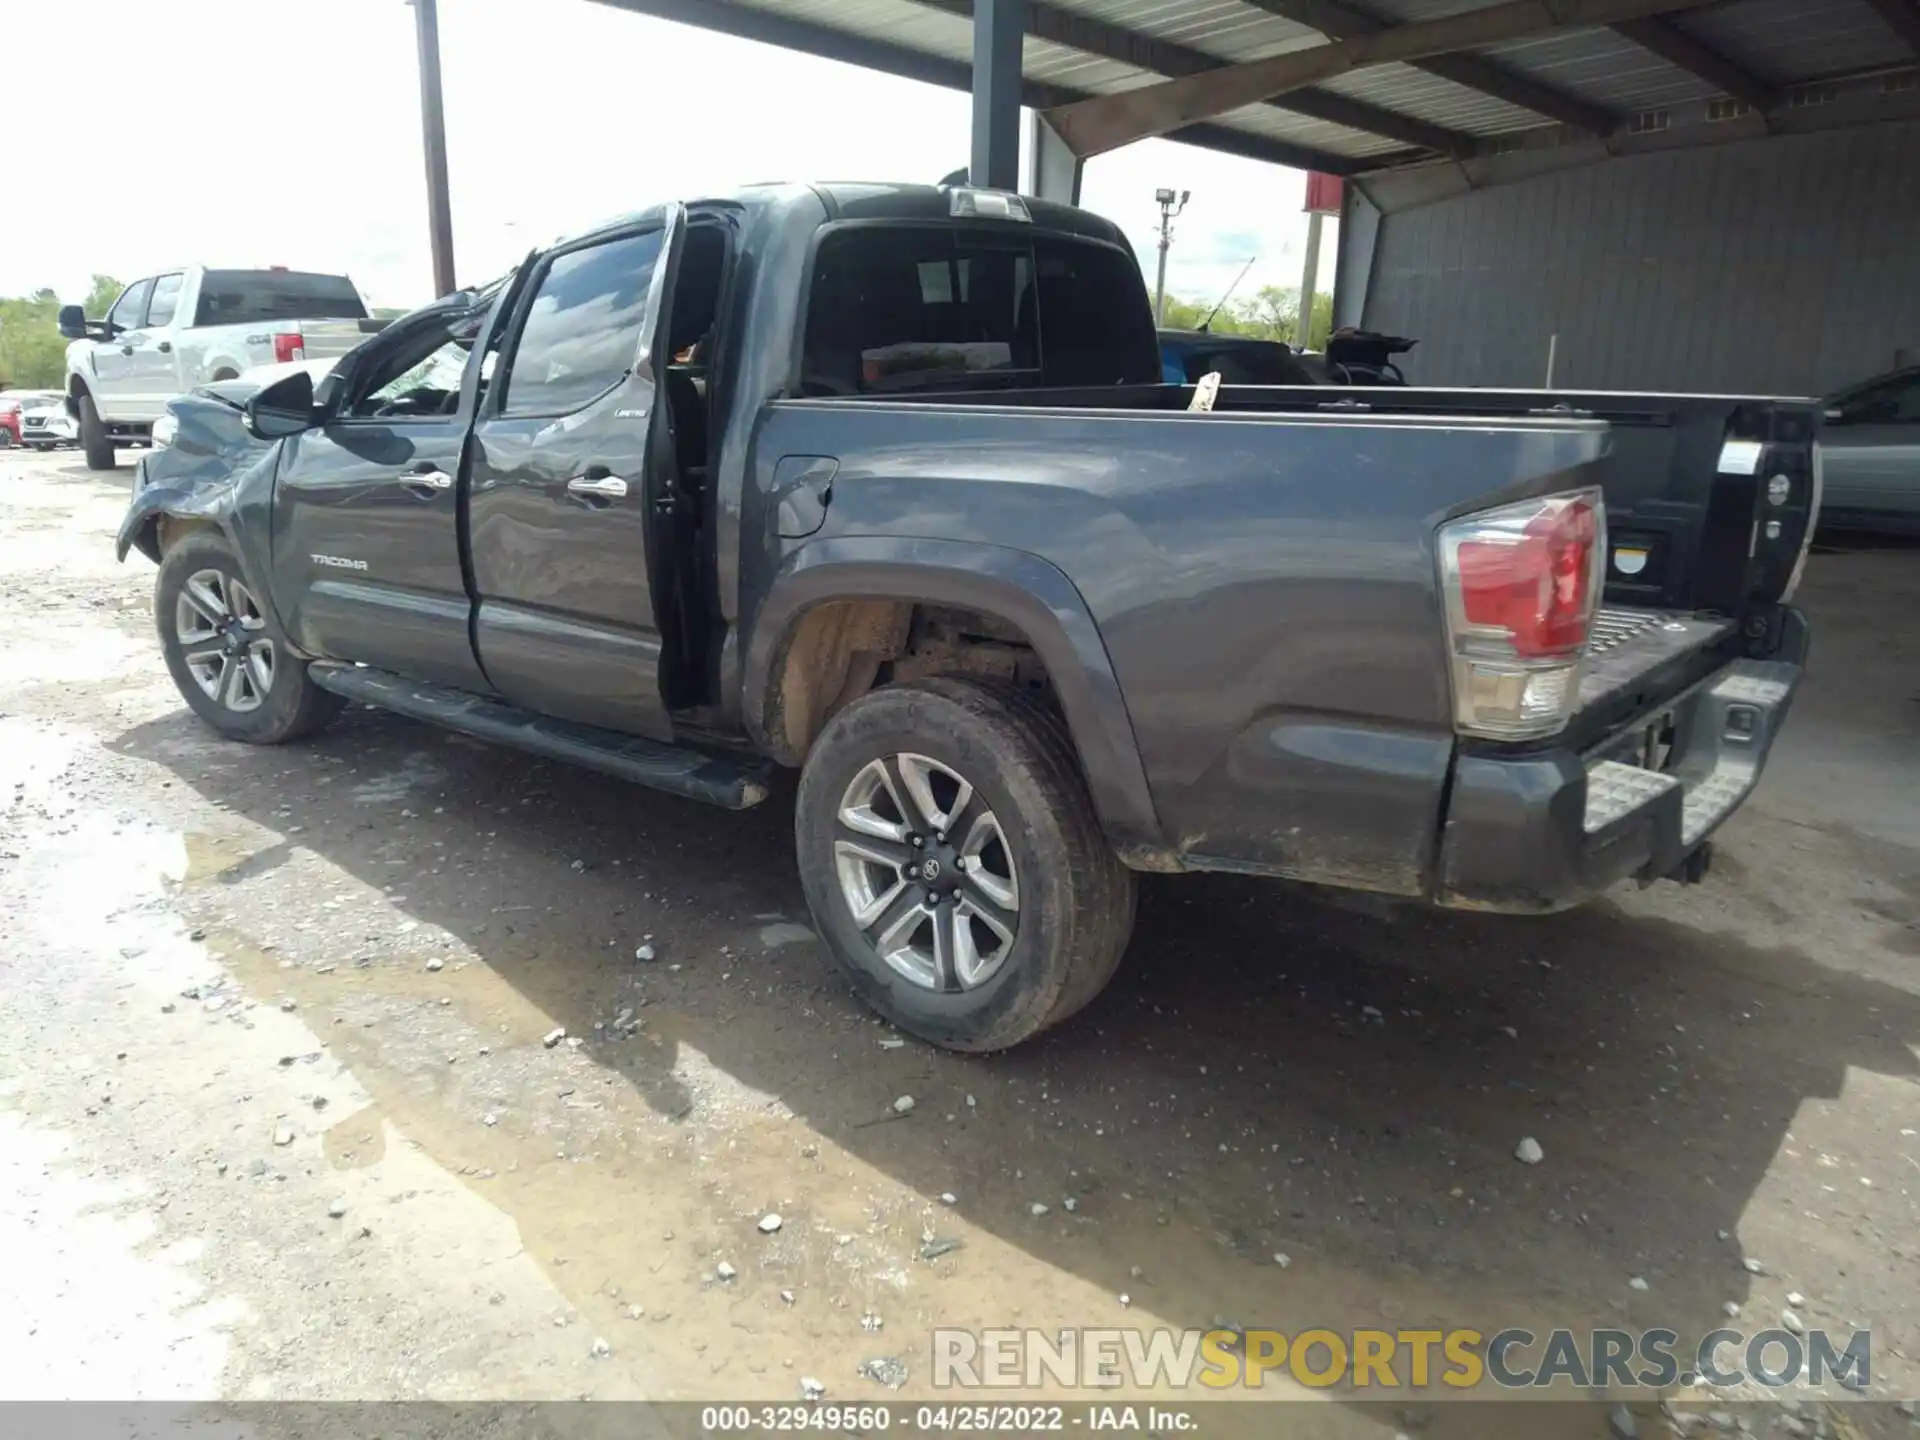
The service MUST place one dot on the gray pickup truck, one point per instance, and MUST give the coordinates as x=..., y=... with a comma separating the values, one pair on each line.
x=882, y=483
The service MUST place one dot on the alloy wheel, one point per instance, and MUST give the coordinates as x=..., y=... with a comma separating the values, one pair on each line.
x=926, y=873
x=223, y=639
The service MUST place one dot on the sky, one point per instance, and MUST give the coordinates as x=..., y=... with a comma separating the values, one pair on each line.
x=251, y=134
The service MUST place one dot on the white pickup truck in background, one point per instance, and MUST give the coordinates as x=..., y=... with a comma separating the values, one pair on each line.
x=185, y=327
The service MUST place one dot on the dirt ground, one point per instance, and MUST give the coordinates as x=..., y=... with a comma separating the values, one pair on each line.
x=357, y=945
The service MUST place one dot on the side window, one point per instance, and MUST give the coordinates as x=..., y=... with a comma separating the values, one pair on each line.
x=166, y=299
x=417, y=368
x=581, y=335
x=130, y=310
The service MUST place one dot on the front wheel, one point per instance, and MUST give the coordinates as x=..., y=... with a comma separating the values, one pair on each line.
x=226, y=654
x=954, y=864
x=93, y=436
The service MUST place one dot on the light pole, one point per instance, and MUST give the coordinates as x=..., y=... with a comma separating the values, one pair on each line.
x=1170, y=207
x=433, y=129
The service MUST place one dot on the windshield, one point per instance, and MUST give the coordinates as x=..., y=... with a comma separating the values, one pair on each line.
x=238, y=297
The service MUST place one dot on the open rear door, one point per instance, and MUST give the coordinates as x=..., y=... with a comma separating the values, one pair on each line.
x=563, y=483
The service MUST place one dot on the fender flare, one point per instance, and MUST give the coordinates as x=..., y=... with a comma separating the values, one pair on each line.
x=212, y=506
x=1014, y=586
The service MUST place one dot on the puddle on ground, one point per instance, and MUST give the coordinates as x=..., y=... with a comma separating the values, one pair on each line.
x=358, y=1141
x=192, y=856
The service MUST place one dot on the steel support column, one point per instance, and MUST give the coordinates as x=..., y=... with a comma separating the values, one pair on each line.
x=998, y=26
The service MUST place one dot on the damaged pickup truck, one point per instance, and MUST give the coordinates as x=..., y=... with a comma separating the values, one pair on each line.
x=880, y=483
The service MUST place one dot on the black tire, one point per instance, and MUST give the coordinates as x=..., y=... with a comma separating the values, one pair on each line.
x=6, y=439
x=1075, y=899
x=93, y=437
x=220, y=375
x=42, y=449
x=291, y=705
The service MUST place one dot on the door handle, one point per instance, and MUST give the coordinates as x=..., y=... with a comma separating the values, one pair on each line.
x=126, y=349
x=427, y=483
x=604, y=487
x=165, y=347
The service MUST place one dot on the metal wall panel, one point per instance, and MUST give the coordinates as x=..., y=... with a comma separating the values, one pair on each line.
x=1784, y=266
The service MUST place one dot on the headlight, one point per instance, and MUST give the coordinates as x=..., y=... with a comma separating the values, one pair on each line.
x=164, y=429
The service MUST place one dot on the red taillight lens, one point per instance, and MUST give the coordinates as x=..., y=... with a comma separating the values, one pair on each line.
x=1521, y=583
x=289, y=346
x=1538, y=586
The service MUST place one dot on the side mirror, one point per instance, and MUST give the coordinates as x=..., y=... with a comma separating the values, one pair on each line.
x=73, y=322
x=284, y=408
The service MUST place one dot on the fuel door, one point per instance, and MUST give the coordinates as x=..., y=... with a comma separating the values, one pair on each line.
x=802, y=490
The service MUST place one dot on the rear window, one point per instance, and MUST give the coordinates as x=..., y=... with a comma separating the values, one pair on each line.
x=899, y=309
x=238, y=297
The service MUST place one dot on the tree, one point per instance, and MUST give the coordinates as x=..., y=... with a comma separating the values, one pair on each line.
x=32, y=354
x=1268, y=314
x=100, y=298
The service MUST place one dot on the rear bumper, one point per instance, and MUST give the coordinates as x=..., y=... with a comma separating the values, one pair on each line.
x=1548, y=831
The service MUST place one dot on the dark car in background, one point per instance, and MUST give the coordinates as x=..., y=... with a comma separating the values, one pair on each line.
x=1186, y=355
x=1870, y=455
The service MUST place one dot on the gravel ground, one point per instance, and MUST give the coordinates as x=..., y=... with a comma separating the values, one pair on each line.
x=279, y=1118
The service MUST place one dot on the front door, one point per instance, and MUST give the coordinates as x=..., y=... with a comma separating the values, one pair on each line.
x=152, y=369
x=115, y=392
x=366, y=532
x=561, y=505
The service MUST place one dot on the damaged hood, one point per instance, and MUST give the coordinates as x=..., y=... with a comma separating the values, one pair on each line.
x=252, y=381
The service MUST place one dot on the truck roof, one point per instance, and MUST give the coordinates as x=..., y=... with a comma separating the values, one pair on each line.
x=885, y=200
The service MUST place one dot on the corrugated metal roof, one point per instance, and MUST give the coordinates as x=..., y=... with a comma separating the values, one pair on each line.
x=1780, y=41
x=1606, y=68
x=1401, y=87
x=1787, y=40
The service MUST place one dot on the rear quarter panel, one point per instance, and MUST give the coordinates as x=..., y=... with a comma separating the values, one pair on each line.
x=1265, y=588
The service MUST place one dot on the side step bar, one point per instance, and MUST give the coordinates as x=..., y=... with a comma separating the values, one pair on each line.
x=732, y=784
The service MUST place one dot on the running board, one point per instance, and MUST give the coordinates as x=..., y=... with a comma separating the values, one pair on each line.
x=732, y=784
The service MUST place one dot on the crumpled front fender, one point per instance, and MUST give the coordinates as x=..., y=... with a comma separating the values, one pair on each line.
x=213, y=473
x=140, y=529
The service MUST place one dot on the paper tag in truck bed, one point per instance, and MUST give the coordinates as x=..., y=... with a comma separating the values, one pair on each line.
x=877, y=482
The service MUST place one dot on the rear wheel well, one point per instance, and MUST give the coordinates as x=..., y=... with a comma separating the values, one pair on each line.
x=839, y=650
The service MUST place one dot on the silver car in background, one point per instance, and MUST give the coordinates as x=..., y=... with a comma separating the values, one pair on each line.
x=1870, y=455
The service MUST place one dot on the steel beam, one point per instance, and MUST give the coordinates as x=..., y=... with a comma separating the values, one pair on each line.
x=1093, y=127
x=1904, y=17
x=999, y=27
x=744, y=22
x=1339, y=20
x=1167, y=57
x=1677, y=47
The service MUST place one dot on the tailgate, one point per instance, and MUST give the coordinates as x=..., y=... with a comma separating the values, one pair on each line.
x=330, y=339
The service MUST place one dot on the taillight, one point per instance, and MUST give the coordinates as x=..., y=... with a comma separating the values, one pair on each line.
x=289, y=345
x=1522, y=583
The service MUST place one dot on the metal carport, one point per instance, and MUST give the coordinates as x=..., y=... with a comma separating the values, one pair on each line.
x=1718, y=196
